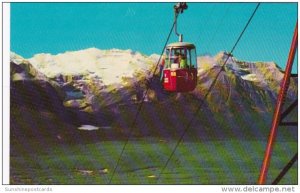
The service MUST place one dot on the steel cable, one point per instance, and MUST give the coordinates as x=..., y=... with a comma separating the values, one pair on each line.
x=141, y=104
x=209, y=90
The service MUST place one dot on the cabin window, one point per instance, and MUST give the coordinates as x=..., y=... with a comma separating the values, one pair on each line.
x=193, y=58
x=180, y=58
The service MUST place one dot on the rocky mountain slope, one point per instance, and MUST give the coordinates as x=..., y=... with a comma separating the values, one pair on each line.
x=101, y=85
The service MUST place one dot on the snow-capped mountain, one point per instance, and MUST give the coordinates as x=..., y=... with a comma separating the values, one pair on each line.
x=240, y=82
x=31, y=87
x=108, y=65
x=93, y=78
x=90, y=76
x=103, y=87
x=22, y=69
x=263, y=74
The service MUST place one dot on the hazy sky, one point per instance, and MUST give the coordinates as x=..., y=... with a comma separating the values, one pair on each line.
x=212, y=27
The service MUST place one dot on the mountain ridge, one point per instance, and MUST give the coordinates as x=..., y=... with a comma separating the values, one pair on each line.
x=126, y=68
x=233, y=103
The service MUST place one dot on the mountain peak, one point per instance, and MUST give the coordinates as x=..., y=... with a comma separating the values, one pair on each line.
x=17, y=59
x=110, y=65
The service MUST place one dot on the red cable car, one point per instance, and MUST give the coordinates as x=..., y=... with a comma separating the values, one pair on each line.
x=180, y=68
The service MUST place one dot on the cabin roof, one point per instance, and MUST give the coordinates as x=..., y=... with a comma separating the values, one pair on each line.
x=180, y=45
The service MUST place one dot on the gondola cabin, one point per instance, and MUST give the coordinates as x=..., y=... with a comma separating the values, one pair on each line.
x=180, y=67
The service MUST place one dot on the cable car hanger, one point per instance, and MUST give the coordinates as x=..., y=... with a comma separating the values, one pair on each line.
x=178, y=8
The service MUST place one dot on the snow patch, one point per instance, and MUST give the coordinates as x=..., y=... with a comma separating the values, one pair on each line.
x=88, y=127
x=250, y=77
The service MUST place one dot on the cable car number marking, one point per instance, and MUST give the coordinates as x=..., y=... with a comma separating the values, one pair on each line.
x=166, y=80
x=173, y=73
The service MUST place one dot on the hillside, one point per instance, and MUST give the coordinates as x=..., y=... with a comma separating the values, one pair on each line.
x=102, y=85
x=70, y=118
